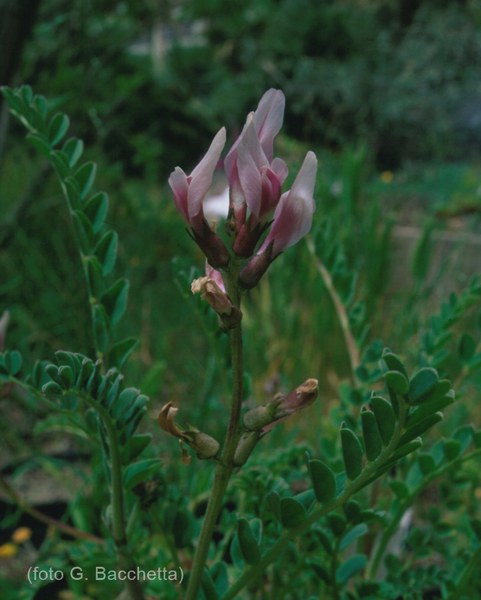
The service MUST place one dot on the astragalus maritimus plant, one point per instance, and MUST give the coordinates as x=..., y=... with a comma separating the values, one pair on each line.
x=341, y=537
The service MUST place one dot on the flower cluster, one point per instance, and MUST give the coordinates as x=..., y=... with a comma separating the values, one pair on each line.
x=256, y=202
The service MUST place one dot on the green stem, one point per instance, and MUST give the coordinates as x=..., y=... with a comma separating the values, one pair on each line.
x=404, y=505
x=225, y=465
x=124, y=559
x=253, y=572
x=334, y=564
x=386, y=536
x=343, y=318
x=466, y=575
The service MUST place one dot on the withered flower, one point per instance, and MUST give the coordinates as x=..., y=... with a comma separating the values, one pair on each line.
x=204, y=445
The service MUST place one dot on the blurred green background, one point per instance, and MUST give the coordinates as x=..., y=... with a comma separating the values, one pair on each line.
x=387, y=92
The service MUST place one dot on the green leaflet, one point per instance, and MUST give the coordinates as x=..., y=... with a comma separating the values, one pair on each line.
x=371, y=436
x=323, y=480
x=351, y=452
x=247, y=542
x=385, y=418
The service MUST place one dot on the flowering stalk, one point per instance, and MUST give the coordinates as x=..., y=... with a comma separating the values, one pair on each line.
x=262, y=222
x=226, y=465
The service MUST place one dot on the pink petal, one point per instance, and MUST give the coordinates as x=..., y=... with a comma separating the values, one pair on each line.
x=271, y=193
x=268, y=119
x=230, y=161
x=201, y=176
x=215, y=275
x=180, y=187
x=250, y=160
x=293, y=215
x=280, y=169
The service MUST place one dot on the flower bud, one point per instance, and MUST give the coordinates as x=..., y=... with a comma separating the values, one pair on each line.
x=245, y=446
x=250, y=275
x=263, y=418
x=247, y=238
x=300, y=398
x=256, y=418
x=203, y=444
x=211, y=245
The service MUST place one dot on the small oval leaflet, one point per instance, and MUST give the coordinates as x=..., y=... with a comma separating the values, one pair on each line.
x=353, y=565
x=393, y=362
x=422, y=384
x=397, y=382
x=385, y=418
x=351, y=452
x=371, y=435
x=323, y=480
x=292, y=512
x=85, y=177
x=247, y=542
x=57, y=128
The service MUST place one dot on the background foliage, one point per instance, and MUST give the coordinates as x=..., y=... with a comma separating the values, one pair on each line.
x=388, y=94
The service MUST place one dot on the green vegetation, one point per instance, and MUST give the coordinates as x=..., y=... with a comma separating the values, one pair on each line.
x=341, y=501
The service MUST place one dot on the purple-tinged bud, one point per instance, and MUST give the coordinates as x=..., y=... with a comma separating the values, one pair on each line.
x=211, y=245
x=203, y=444
x=250, y=275
x=247, y=238
x=263, y=418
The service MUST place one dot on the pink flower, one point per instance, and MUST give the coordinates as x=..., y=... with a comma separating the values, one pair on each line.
x=260, y=180
x=292, y=220
x=190, y=190
x=256, y=201
x=189, y=193
x=293, y=215
x=267, y=118
x=254, y=177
